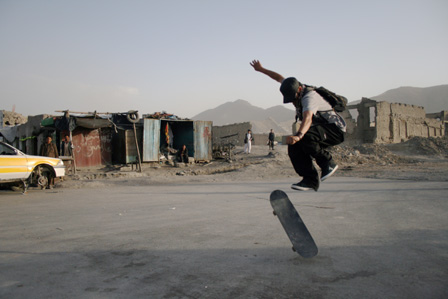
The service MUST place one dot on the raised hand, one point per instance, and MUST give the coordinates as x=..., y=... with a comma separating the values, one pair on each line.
x=256, y=65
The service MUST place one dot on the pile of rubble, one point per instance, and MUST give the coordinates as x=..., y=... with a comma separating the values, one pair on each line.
x=366, y=154
x=389, y=154
x=12, y=118
x=424, y=146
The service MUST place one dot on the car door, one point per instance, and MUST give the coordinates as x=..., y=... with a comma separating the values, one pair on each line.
x=13, y=163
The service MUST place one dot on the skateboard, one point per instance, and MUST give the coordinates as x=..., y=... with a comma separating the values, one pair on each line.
x=296, y=230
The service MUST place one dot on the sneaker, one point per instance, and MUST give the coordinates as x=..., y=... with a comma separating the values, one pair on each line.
x=303, y=186
x=328, y=172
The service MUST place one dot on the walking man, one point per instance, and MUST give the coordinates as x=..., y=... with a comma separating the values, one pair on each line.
x=320, y=128
x=271, y=139
x=248, y=142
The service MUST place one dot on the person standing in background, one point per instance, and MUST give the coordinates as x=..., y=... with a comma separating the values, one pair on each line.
x=271, y=139
x=248, y=142
x=66, y=147
x=49, y=149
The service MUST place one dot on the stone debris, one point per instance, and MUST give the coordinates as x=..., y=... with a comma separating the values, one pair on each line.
x=13, y=118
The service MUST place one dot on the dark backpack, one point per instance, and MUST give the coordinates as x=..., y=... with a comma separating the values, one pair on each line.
x=339, y=103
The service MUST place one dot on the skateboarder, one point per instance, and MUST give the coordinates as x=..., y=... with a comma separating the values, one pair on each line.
x=320, y=128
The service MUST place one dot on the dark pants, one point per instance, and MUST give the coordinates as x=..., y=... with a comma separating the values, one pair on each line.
x=314, y=145
x=182, y=158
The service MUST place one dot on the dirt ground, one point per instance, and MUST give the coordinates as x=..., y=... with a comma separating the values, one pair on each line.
x=207, y=230
x=420, y=159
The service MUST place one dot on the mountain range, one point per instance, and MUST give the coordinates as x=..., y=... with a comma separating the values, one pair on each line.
x=433, y=99
x=279, y=118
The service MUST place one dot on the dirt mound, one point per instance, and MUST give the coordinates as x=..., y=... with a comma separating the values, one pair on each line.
x=387, y=154
x=366, y=154
x=425, y=146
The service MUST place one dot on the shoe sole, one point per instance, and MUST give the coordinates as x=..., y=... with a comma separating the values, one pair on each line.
x=301, y=188
x=329, y=174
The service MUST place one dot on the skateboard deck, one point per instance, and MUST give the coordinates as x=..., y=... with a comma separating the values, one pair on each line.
x=296, y=230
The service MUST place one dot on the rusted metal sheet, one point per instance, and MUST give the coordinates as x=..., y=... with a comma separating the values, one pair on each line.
x=92, y=147
x=203, y=140
x=151, y=140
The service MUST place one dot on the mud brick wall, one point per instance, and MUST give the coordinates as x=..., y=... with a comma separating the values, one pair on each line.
x=440, y=116
x=396, y=122
x=227, y=130
x=436, y=128
x=363, y=132
x=260, y=139
x=382, y=122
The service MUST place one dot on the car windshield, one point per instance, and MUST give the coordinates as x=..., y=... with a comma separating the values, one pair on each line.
x=6, y=150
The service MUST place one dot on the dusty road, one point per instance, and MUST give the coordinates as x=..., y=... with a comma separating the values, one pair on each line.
x=376, y=239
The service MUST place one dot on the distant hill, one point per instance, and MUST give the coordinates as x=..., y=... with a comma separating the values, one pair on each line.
x=277, y=118
x=433, y=99
x=280, y=119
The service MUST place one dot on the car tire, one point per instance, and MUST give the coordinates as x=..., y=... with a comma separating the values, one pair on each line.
x=133, y=116
x=43, y=176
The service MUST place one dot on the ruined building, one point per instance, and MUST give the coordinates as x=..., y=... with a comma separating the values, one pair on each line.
x=383, y=122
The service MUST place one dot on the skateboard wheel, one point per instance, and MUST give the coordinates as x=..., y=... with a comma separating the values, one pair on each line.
x=273, y=212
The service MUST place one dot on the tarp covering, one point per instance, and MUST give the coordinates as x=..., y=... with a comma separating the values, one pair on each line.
x=47, y=122
x=9, y=133
x=65, y=123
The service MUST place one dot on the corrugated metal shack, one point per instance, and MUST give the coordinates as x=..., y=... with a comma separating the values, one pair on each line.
x=92, y=146
x=163, y=133
x=101, y=139
x=91, y=136
x=110, y=139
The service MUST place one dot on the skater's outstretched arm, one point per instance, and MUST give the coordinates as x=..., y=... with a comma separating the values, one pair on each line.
x=259, y=68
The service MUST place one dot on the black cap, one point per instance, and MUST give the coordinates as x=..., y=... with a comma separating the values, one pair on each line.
x=289, y=89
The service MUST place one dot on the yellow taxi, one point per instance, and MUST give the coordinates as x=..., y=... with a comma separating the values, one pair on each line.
x=17, y=167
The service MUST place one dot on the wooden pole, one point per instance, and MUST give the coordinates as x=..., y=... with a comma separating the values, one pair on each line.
x=138, y=151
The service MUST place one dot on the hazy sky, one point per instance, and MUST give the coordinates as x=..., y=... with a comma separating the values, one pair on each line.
x=186, y=56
